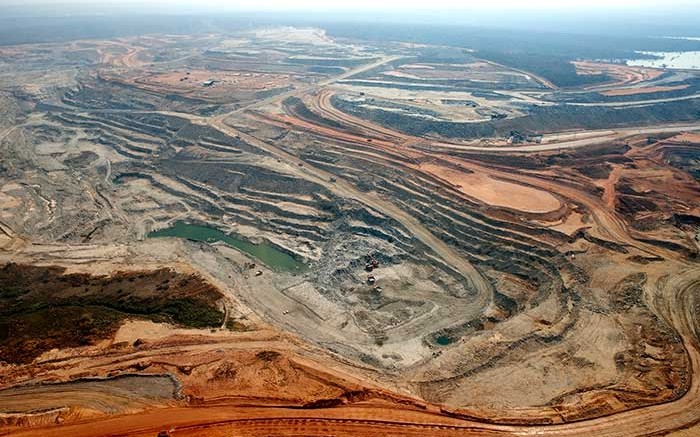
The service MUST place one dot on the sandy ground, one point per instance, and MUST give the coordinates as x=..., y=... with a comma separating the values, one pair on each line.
x=643, y=90
x=686, y=137
x=477, y=71
x=693, y=431
x=497, y=192
x=133, y=330
x=193, y=80
x=571, y=224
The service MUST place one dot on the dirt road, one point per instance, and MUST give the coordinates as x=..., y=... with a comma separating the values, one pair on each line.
x=322, y=103
x=675, y=301
x=635, y=103
x=538, y=78
x=303, y=90
x=605, y=137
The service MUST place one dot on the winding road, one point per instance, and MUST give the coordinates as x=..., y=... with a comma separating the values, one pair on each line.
x=674, y=300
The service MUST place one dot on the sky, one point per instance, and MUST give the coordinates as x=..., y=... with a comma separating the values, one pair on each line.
x=667, y=17
x=594, y=17
x=366, y=5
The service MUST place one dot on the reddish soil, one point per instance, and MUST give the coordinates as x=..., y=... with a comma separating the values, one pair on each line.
x=624, y=74
x=496, y=192
x=249, y=379
x=686, y=137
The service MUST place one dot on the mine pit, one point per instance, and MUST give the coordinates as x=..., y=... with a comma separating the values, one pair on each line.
x=273, y=229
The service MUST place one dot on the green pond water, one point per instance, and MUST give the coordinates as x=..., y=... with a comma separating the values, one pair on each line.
x=267, y=254
x=443, y=340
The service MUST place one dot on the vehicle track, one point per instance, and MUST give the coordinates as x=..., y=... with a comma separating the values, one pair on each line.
x=607, y=222
x=673, y=301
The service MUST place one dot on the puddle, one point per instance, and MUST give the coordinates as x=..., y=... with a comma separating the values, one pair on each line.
x=443, y=340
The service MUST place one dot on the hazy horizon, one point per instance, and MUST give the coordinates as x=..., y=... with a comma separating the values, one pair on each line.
x=626, y=18
x=369, y=5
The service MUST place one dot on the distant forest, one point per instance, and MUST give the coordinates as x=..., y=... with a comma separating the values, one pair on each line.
x=543, y=53
x=557, y=69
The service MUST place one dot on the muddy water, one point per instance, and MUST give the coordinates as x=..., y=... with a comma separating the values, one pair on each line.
x=273, y=258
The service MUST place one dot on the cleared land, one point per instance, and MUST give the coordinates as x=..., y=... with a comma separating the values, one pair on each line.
x=449, y=227
x=497, y=192
x=644, y=90
x=625, y=75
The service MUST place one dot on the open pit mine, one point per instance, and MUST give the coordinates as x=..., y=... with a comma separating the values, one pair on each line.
x=276, y=232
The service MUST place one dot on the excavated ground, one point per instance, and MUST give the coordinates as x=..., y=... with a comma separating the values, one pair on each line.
x=445, y=290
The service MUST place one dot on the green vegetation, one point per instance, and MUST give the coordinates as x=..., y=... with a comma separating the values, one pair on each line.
x=41, y=308
x=558, y=70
